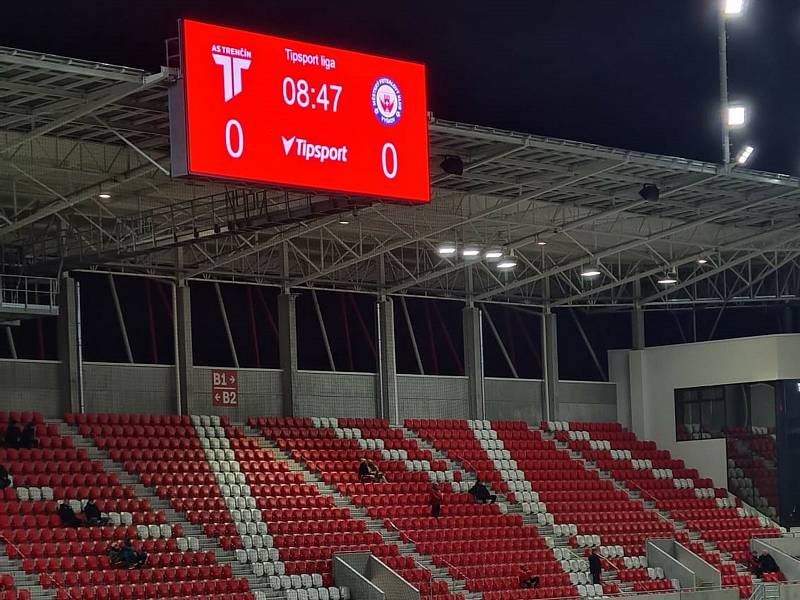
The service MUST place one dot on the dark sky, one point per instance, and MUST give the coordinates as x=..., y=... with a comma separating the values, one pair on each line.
x=639, y=74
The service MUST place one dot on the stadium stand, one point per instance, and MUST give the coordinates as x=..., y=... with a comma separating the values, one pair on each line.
x=258, y=511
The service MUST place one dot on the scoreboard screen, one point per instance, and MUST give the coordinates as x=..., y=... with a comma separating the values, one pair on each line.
x=263, y=109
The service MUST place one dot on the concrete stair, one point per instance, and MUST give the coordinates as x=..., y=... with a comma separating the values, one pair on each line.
x=456, y=586
x=173, y=517
x=23, y=580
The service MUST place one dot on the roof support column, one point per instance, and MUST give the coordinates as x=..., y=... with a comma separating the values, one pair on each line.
x=69, y=353
x=184, y=358
x=472, y=321
x=549, y=366
x=637, y=319
x=287, y=343
x=388, y=405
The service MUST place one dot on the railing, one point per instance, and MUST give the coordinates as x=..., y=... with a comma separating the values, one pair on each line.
x=19, y=291
x=419, y=564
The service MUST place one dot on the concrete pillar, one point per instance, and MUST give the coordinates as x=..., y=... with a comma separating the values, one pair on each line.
x=287, y=343
x=637, y=328
x=473, y=361
x=184, y=361
x=386, y=381
x=549, y=366
x=68, y=345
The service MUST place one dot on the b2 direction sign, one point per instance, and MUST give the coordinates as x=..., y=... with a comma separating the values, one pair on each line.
x=225, y=387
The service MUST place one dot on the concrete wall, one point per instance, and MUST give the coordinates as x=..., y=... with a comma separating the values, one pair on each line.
x=513, y=399
x=119, y=387
x=31, y=385
x=432, y=397
x=655, y=373
x=335, y=394
x=122, y=388
x=259, y=394
x=586, y=401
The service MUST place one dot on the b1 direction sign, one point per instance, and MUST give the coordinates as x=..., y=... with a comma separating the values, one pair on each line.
x=225, y=387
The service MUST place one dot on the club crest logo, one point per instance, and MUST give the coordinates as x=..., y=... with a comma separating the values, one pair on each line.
x=387, y=102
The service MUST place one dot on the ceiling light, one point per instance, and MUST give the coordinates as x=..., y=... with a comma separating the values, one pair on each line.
x=541, y=243
x=452, y=165
x=493, y=253
x=344, y=222
x=702, y=261
x=745, y=154
x=506, y=263
x=650, y=192
x=590, y=271
x=446, y=249
x=733, y=8
x=470, y=251
x=104, y=195
x=668, y=278
x=737, y=115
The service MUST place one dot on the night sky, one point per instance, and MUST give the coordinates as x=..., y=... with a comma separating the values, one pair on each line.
x=638, y=74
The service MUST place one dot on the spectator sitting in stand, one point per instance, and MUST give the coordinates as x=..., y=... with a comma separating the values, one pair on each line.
x=5, y=478
x=125, y=555
x=364, y=474
x=92, y=514
x=435, y=499
x=526, y=580
x=481, y=494
x=67, y=515
x=767, y=564
x=13, y=434
x=28, y=437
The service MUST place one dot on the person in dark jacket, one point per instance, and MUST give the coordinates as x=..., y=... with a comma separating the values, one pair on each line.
x=480, y=492
x=13, y=434
x=67, y=515
x=28, y=437
x=595, y=566
x=92, y=514
x=526, y=580
x=435, y=500
x=5, y=478
x=767, y=564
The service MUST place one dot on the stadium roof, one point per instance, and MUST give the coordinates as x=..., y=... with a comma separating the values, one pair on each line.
x=71, y=130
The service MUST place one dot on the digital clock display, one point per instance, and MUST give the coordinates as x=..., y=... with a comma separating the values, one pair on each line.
x=257, y=108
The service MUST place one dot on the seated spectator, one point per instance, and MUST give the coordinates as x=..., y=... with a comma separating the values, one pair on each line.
x=767, y=564
x=13, y=434
x=368, y=472
x=435, y=499
x=92, y=514
x=481, y=494
x=68, y=516
x=28, y=437
x=526, y=580
x=753, y=566
x=5, y=478
x=124, y=555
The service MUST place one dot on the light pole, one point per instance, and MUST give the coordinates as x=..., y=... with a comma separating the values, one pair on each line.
x=727, y=9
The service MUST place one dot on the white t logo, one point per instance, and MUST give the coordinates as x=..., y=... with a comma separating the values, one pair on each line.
x=231, y=73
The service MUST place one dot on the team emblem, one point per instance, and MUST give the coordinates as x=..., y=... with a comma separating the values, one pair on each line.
x=387, y=102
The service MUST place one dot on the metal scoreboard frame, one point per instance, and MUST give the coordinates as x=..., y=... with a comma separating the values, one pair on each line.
x=261, y=109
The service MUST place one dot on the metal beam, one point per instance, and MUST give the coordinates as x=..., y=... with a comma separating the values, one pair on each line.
x=674, y=288
x=324, y=330
x=120, y=318
x=580, y=174
x=226, y=324
x=411, y=335
x=691, y=258
x=93, y=103
x=574, y=264
x=500, y=342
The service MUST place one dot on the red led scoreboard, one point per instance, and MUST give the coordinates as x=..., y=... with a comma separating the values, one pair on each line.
x=269, y=110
